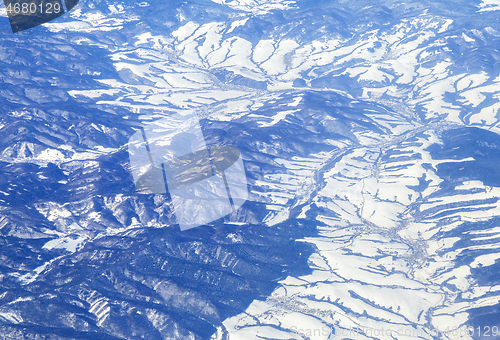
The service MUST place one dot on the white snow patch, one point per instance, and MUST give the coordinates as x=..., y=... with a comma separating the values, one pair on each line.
x=489, y=5
x=69, y=243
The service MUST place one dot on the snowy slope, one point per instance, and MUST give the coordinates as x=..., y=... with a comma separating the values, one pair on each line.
x=369, y=133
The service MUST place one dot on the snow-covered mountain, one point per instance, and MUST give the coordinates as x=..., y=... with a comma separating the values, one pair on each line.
x=370, y=137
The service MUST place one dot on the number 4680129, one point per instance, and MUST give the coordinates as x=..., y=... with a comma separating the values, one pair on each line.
x=32, y=8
